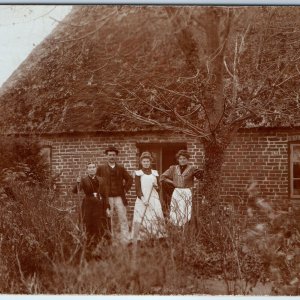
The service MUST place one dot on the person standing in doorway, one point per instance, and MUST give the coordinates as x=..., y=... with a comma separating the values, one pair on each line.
x=118, y=183
x=181, y=177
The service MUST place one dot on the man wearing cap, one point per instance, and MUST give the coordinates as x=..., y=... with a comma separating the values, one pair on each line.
x=118, y=183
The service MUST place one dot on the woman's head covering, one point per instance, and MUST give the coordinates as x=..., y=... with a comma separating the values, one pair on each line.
x=146, y=154
x=183, y=153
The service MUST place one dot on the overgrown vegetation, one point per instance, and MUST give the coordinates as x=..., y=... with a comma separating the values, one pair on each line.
x=43, y=251
x=239, y=244
x=276, y=242
x=21, y=160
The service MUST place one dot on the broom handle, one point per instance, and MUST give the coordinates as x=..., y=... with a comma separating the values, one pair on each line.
x=134, y=249
x=147, y=204
x=79, y=200
x=139, y=228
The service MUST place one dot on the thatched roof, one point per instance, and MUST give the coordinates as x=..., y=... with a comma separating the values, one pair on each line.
x=63, y=83
x=59, y=87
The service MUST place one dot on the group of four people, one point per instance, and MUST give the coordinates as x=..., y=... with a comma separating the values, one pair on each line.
x=105, y=189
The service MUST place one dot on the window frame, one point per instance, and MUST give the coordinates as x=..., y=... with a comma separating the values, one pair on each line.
x=49, y=157
x=291, y=175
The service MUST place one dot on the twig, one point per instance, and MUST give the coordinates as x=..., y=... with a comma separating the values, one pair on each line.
x=61, y=209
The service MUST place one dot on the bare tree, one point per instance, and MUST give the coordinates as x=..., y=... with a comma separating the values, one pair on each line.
x=232, y=67
x=201, y=71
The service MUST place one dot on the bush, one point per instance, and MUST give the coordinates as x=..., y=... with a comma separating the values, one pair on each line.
x=21, y=160
x=277, y=242
x=43, y=247
x=43, y=250
x=217, y=252
x=36, y=233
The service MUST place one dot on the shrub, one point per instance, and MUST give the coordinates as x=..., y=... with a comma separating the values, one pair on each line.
x=21, y=160
x=43, y=250
x=43, y=247
x=36, y=233
x=277, y=242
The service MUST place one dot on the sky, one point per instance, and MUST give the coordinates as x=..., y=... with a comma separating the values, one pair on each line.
x=22, y=27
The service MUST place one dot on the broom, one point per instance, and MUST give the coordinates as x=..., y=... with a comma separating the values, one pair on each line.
x=143, y=216
x=135, y=275
x=79, y=200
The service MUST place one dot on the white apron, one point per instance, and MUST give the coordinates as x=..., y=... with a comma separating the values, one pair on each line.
x=148, y=221
x=181, y=206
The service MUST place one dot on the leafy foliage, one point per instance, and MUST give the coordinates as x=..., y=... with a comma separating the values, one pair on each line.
x=21, y=160
x=34, y=234
x=277, y=242
x=43, y=251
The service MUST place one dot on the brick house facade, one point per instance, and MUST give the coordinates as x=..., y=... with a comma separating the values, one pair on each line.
x=263, y=155
x=61, y=92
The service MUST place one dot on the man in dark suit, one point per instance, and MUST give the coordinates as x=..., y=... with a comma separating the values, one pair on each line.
x=95, y=207
x=118, y=183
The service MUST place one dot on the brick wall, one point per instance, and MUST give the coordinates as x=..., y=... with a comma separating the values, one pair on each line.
x=253, y=155
x=71, y=154
x=259, y=156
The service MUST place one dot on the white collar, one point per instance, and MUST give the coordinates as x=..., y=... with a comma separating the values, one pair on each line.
x=112, y=165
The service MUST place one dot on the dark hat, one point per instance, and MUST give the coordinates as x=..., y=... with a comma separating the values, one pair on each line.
x=146, y=154
x=112, y=149
x=183, y=153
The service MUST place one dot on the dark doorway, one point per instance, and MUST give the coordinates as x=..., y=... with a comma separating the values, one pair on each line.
x=169, y=155
x=164, y=155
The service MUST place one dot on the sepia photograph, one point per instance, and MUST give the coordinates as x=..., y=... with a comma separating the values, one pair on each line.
x=150, y=149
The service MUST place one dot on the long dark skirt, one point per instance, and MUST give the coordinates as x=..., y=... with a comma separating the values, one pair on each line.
x=95, y=221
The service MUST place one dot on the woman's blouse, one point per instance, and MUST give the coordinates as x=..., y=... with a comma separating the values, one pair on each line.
x=137, y=180
x=183, y=179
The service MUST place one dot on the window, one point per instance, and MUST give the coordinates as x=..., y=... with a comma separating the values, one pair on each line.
x=295, y=170
x=46, y=153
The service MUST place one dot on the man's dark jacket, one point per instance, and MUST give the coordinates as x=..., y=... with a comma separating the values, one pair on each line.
x=124, y=180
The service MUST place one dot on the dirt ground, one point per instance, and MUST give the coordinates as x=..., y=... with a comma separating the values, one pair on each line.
x=218, y=287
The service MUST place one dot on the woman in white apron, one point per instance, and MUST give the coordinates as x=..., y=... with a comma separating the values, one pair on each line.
x=181, y=177
x=148, y=219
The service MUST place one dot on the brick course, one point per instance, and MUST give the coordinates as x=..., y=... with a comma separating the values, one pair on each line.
x=260, y=155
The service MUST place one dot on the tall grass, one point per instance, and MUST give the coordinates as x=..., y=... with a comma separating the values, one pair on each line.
x=43, y=250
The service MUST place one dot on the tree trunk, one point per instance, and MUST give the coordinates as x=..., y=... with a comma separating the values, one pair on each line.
x=213, y=161
x=212, y=180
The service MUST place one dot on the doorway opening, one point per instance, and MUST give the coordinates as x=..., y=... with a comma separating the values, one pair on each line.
x=164, y=155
